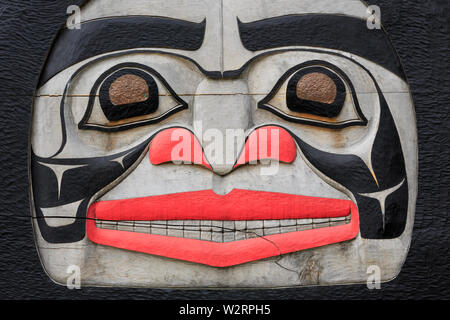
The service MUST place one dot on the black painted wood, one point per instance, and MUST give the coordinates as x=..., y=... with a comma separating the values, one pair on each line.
x=419, y=30
x=321, y=30
x=94, y=38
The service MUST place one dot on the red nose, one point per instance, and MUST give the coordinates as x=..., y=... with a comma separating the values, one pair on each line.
x=180, y=145
x=268, y=143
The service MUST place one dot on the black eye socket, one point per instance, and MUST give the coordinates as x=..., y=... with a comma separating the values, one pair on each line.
x=128, y=93
x=317, y=91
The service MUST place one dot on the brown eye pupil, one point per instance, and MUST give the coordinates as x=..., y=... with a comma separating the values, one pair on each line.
x=128, y=89
x=317, y=87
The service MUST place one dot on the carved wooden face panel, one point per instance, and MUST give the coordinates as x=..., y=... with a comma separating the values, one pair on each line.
x=238, y=144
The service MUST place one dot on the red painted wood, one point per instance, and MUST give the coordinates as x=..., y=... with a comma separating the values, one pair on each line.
x=177, y=144
x=218, y=254
x=268, y=142
x=207, y=205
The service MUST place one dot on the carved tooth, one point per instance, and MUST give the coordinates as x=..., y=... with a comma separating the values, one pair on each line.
x=255, y=229
x=255, y=224
x=176, y=224
x=205, y=225
x=271, y=227
x=271, y=223
x=240, y=230
x=175, y=228
x=320, y=223
x=304, y=224
x=125, y=226
x=288, y=223
x=217, y=234
x=288, y=229
x=217, y=226
x=240, y=225
x=333, y=223
x=206, y=235
x=229, y=228
x=250, y=234
x=302, y=227
x=192, y=225
x=141, y=226
x=110, y=225
x=206, y=230
x=192, y=234
x=304, y=221
x=337, y=223
x=192, y=229
x=159, y=227
x=239, y=235
x=228, y=236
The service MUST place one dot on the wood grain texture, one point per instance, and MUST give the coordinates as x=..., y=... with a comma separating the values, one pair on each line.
x=420, y=33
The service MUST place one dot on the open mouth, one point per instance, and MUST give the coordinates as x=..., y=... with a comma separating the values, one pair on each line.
x=222, y=230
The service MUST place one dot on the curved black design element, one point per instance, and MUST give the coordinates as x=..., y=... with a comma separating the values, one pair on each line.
x=126, y=111
x=65, y=234
x=330, y=31
x=264, y=103
x=395, y=207
x=86, y=178
x=352, y=173
x=331, y=110
x=121, y=33
x=120, y=112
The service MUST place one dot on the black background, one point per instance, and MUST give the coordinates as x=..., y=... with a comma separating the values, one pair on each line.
x=420, y=31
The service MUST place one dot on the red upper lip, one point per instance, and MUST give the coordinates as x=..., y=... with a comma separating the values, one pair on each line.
x=207, y=205
x=237, y=205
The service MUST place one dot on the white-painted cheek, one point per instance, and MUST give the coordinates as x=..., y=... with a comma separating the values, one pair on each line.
x=46, y=137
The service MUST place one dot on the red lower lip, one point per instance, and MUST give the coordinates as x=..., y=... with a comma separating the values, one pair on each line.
x=237, y=205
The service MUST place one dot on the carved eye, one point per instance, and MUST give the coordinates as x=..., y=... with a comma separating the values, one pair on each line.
x=315, y=93
x=129, y=95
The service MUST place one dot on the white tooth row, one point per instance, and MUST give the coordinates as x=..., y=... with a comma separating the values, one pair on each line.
x=221, y=231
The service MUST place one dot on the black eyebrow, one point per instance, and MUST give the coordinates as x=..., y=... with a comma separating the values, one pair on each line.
x=337, y=32
x=120, y=33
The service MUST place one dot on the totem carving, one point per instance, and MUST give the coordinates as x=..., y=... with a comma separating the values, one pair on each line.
x=226, y=144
